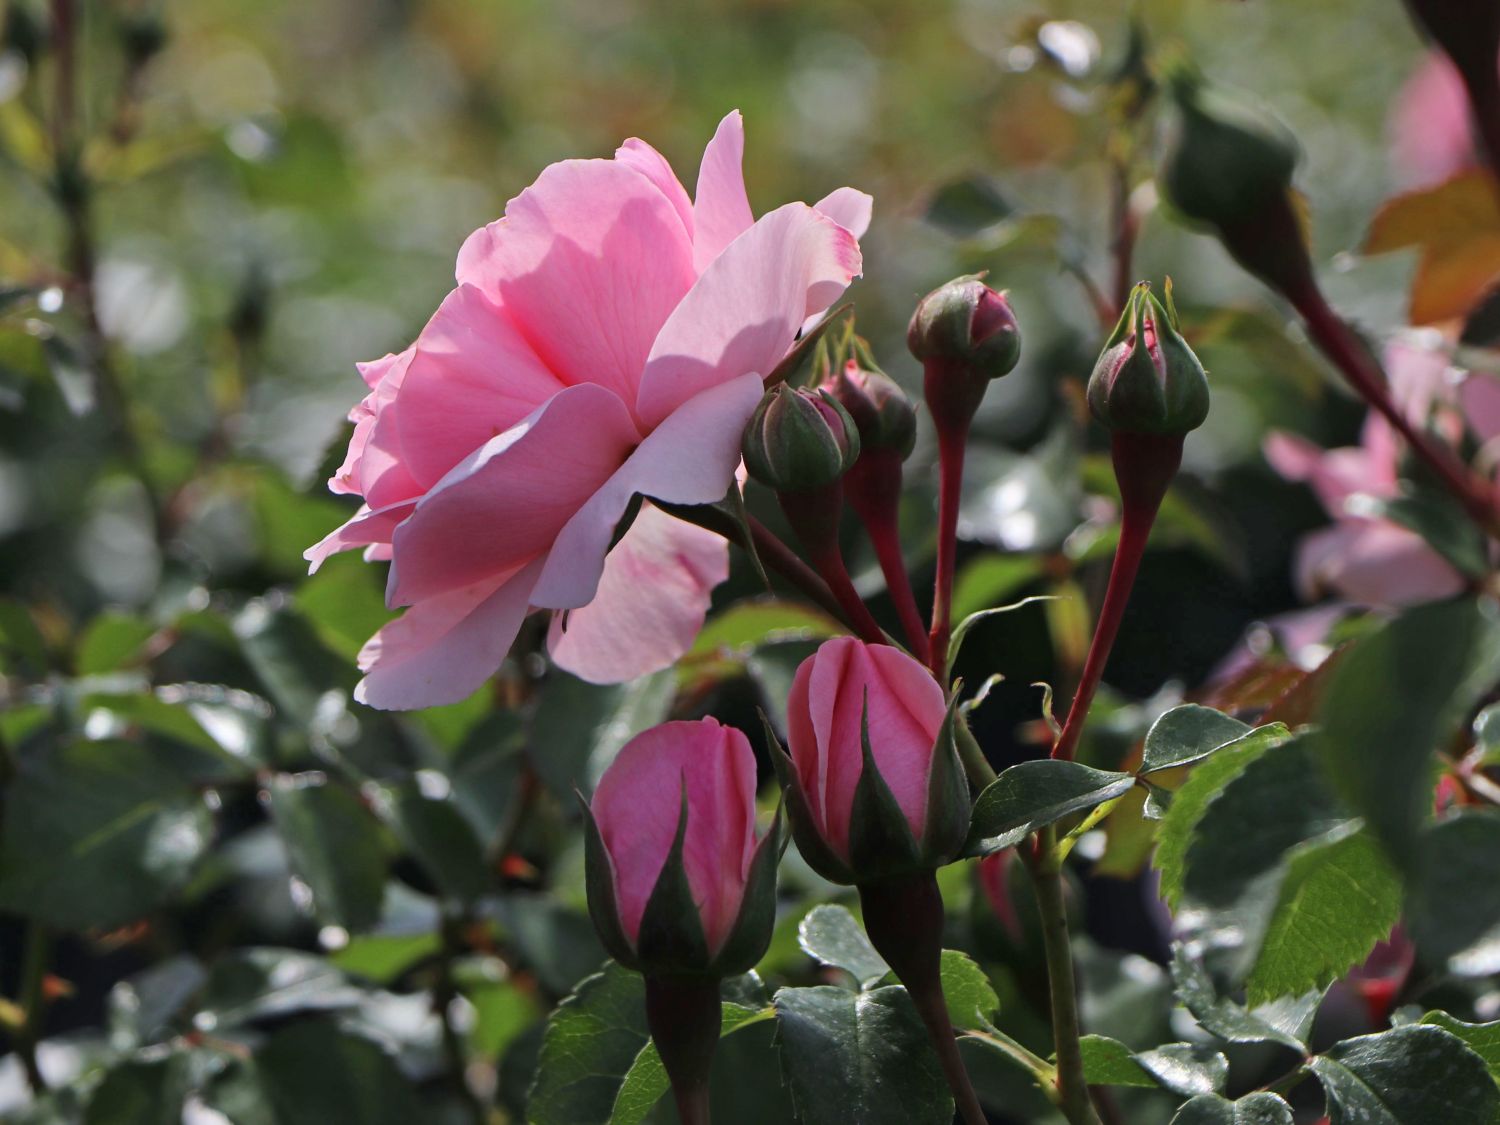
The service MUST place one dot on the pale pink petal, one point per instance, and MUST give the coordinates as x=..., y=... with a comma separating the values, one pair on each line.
x=471, y=378
x=1431, y=135
x=375, y=371
x=637, y=154
x=443, y=649
x=837, y=763
x=638, y=804
x=721, y=209
x=373, y=468
x=653, y=596
x=744, y=312
x=507, y=501
x=1479, y=397
x=689, y=459
x=1374, y=562
x=590, y=261
x=367, y=529
x=849, y=207
x=1334, y=474
x=806, y=752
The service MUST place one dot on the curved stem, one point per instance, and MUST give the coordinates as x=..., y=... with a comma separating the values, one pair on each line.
x=1343, y=348
x=873, y=488
x=1144, y=467
x=904, y=919
x=814, y=516
x=784, y=561
x=951, y=441
x=1046, y=877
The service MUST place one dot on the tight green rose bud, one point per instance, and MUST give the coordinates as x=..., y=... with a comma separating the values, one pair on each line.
x=965, y=335
x=882, y=413
x=799, y=440
x=1147, y=379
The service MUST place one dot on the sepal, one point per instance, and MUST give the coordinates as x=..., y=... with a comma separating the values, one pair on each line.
x=881, y=842
x=948, y=804
x=599, y=879
x=810, y=843
x=750, y=936
x=671, y=940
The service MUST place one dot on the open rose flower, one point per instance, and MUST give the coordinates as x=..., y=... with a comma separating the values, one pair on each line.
x=608, y=338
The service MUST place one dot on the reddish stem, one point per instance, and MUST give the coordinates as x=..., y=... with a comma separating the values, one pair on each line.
x=873, y=488
x=684, y=1016
x=1144, y=466
x=951, y=441
x=814, y=516
x=1343, y=348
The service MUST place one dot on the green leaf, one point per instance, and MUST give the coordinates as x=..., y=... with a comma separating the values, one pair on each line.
x=288, y=658
x=1278, y=801
x=1188, y=1069
x=859, y=1056
x=23, y=651
x=961, y=630
x=138, y=1093
x=831, y=935
x=313, y=1074
x=1254, y=1109
x=1034, y=794
x=1188, y=734
x=991, y=578
x=748, y=625
x=1285, y=1021
x=1453, y=900
x=1108, y=1062
x=440, y=839
x=968, y=207
x=646, y=1081
x=1483, y=1038
x=1487, y=735
x=384, y=957
x=1406, y=1076
x=1394, y=696
x=97, y=834
x=1191, y=801
x=1340, y=896
x=334, y=846
x=592, y=1041
x=971, y=998
x=111, y=641
x=264, y=983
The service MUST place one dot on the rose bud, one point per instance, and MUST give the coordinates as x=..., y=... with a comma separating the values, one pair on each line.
x=678, y=884
x=965, y=335
x=877, y=798
x=1228, y=165
x=873, y=782
x=880, y=409
x=798, y=440
x=1147, y=380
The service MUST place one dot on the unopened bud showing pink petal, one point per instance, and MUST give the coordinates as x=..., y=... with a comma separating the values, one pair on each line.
x=881, y=410
x=874, y=785
x=678, y=883
x=1147, y=380
x=965, y=334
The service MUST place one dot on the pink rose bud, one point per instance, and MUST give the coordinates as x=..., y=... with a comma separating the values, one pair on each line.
x=1147, y=380
x=874, y=786
x=799, y=440
x=883, y=415
x=677, y=882
x=965, y=334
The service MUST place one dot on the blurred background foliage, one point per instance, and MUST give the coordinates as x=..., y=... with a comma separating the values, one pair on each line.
x=225, y=885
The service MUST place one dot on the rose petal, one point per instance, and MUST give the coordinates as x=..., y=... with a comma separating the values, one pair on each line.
x=744, y=312
x=637, y=154
x=849, y=207
x=721, y=208
x=368, y=528
x=653, y=596
x=506, y=502
x=443, y=649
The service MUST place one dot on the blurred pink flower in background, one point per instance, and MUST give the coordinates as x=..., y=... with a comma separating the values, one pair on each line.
x=608, y=338
x=637, y=806
x=1368, y=559
x=1431, y=132
x=826, y=709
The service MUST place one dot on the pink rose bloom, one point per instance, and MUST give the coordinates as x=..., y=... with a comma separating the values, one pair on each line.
x=1431, y=128
x=1368, y=560
x=639, y=801
x=825, y=710
x=608, y=338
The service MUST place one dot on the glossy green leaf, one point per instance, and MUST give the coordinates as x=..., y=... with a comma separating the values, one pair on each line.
x=1188, y=1069
x=1339, y=897
x=592, y=1041
x=138, y=1092
x=334, y=846
x=961, y=630
x=646, y=1081
x=1253, y=1109
x=1483, y=1038
x=312, y=1074
x=579, y=727
x=971, y=998
x=1408, y=1075
x=859, y=1056
x=111, y=641
x=440, y=839
x=1034, y=794
x=98, y=833
x=831, y=935
x=1286, y=1021
x=1108, y=1062
x=1188, y=734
